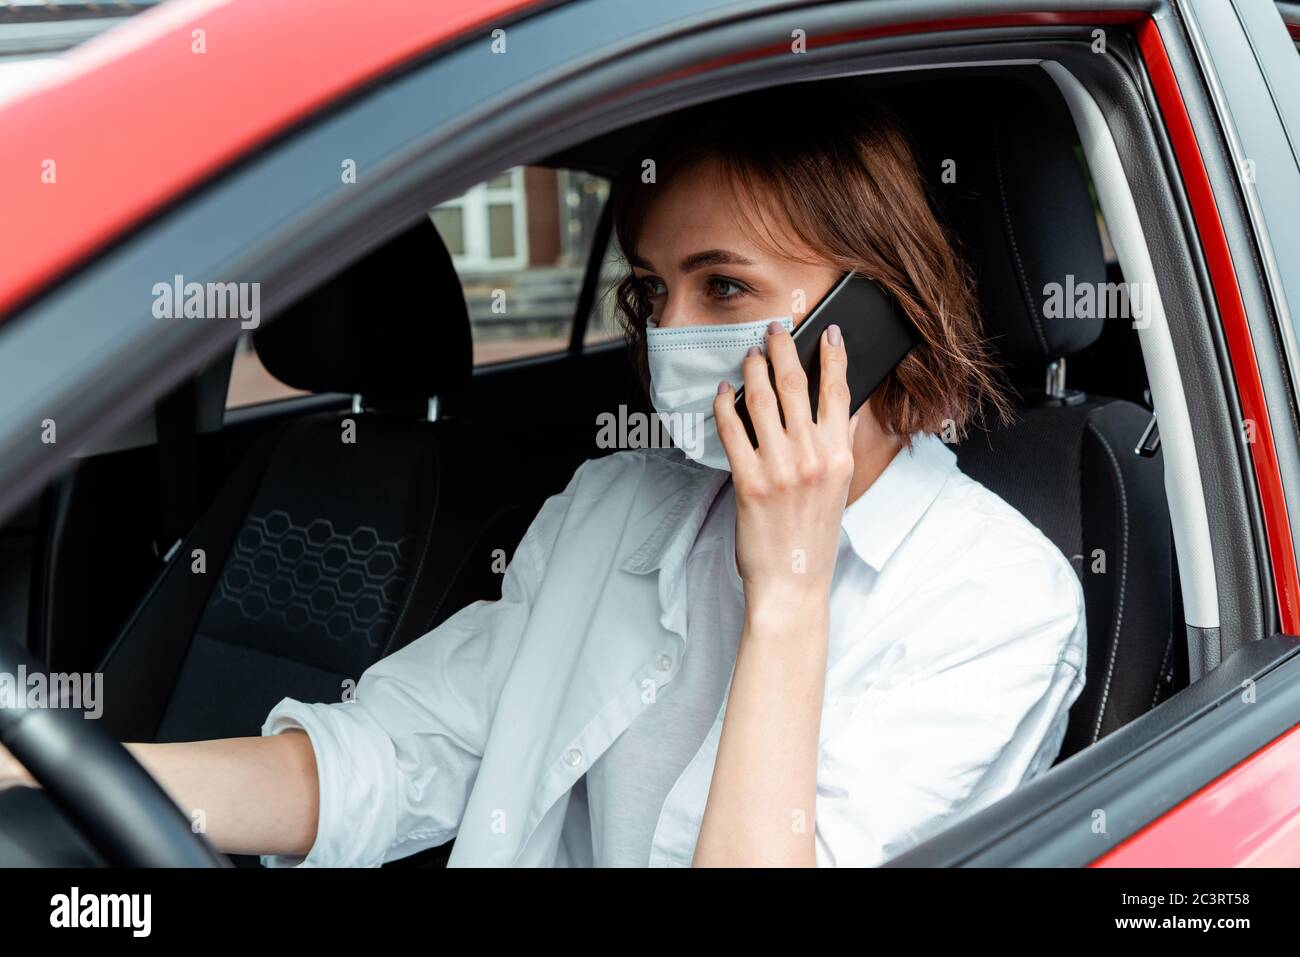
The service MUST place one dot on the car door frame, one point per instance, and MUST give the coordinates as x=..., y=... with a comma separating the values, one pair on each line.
x=303, y=229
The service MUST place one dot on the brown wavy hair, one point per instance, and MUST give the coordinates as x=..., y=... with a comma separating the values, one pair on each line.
x=846, y=184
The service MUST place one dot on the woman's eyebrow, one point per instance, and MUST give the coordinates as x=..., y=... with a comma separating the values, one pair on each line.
x=710, y=257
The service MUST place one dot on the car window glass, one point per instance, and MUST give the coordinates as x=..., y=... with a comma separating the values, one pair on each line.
x=603, y=324
x=520, y=242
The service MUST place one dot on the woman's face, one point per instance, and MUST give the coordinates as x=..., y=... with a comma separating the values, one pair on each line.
x=696, y=266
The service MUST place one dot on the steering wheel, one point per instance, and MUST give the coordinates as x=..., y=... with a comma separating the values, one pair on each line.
x=97, y=784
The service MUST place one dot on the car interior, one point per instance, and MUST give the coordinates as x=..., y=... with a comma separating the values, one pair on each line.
x=317, y=560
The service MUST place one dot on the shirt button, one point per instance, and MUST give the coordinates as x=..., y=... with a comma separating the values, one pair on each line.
x=573, y=756
x=665, y=662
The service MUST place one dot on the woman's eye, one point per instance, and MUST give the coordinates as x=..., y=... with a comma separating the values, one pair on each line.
x=648, y=286
x=715, y=282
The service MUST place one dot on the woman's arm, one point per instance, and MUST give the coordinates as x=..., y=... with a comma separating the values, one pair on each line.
x=790, y=496
x=255, y=795
x=762, y=801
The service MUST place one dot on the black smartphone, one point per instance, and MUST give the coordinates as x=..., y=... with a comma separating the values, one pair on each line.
x=877, y=336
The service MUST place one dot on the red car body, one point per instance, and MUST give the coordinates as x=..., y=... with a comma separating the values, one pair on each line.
x=142, y=91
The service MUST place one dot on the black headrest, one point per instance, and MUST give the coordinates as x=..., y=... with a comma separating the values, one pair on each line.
x=1017, y=197
x=392, y=325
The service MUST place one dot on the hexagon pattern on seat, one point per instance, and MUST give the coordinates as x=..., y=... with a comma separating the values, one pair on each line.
x=345, y=582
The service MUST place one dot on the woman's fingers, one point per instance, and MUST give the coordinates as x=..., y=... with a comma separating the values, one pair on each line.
x=791, y=383
x=735, y=440
x=833, y=398
x=760, y=400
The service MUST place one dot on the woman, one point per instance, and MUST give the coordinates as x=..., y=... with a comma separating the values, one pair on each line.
x=816, y=652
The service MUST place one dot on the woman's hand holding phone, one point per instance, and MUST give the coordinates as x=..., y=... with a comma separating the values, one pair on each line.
x=790, y=496
x=790, y=491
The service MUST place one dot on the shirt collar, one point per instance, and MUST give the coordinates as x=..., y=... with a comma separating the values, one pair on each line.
x=684, y=491
x=880, y=518
x=876, y=523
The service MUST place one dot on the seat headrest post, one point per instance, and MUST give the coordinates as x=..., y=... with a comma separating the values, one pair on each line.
x=1055, y=387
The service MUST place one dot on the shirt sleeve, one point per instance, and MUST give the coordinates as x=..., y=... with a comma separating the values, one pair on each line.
x=397, y=761
x=969, y=701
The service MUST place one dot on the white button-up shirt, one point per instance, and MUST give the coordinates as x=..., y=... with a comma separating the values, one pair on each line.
x=956, y=647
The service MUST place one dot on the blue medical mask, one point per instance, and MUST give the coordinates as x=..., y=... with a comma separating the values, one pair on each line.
x=686, y=364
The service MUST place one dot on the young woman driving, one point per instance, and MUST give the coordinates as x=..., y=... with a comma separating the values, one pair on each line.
x=815, y=652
